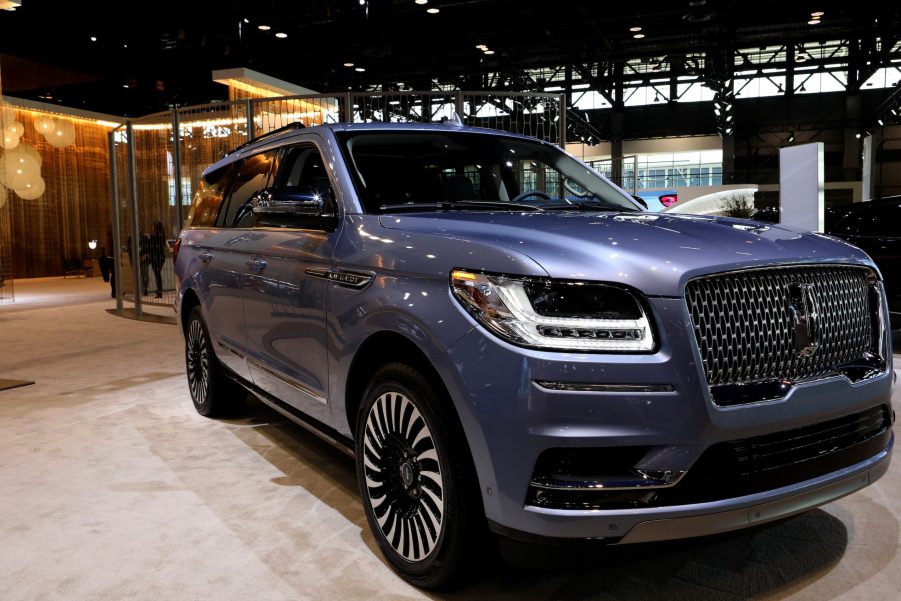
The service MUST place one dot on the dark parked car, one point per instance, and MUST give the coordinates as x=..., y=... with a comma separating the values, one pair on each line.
x=505, y=340
x=875, y=227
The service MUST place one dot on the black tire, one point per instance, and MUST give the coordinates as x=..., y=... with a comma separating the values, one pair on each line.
x=416, y=478
x=213, y=393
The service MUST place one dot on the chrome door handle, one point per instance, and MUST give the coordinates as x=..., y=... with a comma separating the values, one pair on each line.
x=205, y=257
x=256, y=265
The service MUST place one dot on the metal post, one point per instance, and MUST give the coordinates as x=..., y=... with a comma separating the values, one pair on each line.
x=348, y=108
x=176, y=160
x=135, y=224
x=117, y=236
x=562, y=108
x=459, y=104
x=634, y=174
x=249, y=119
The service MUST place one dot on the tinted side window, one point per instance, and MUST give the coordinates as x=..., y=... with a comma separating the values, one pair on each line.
x=253, y=176
x=302, y=171
x=878, y=220
x=208, y=198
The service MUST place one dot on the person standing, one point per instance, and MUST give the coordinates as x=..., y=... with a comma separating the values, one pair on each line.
x=144, y=260
x=157, y=248
x=108, y=270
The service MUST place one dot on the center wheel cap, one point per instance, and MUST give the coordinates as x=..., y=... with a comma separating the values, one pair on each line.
x=406, y=473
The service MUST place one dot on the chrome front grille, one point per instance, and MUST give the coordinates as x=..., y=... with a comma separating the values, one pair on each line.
x=744, y=322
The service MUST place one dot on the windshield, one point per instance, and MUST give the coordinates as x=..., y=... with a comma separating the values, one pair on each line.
x=460, y=170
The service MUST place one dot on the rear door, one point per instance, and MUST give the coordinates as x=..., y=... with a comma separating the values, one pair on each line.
x=224, y=262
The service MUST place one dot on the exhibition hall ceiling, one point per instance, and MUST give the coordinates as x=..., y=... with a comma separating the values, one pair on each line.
x=93, y=56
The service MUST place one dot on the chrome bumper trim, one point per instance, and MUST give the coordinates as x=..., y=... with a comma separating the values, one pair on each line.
x=715, y=523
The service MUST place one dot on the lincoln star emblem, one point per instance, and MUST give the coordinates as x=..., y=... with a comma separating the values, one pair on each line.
x=804, y=318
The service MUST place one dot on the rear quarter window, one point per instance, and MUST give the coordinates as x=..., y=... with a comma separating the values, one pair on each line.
x=208, y=198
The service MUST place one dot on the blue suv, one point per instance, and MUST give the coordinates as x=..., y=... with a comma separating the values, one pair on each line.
x=507, y=342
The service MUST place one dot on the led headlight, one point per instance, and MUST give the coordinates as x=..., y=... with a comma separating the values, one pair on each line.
x=560, y=315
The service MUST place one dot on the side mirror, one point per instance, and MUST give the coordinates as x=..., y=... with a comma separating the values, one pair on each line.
x=283, y=202
x=639, y=200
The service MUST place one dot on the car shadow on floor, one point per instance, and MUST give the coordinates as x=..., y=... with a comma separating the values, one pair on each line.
x=745, y=565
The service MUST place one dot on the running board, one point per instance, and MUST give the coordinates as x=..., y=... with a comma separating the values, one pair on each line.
x=326, y=433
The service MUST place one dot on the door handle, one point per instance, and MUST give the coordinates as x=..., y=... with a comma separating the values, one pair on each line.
x=205, y=257
x=256, y=265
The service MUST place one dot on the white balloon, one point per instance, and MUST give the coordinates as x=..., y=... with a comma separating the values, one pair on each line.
x=8, y=115
x=64, y=134
x=32, y=190
x=44, y=124
x=19, y=168
x=14, y=128
x=32, y=152
x=9, y=141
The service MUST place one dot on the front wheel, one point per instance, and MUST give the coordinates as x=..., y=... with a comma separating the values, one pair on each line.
x=212, y=392
x=415, y=478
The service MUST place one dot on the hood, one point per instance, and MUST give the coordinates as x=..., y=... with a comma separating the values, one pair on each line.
x=655, y=253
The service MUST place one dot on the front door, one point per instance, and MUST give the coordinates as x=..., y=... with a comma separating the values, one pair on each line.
x=285, y=306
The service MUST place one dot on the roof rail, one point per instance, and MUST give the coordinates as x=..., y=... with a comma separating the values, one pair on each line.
x=269, y=134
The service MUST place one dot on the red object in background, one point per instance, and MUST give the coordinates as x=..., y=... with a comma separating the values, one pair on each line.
x=669, y=200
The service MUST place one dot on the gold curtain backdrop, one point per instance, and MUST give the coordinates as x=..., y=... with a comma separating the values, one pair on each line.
x=52, y=231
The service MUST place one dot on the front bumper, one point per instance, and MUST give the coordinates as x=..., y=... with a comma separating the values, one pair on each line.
x=509, y=421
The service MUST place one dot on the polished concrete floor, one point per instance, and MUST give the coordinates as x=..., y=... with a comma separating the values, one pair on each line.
x=112, y=487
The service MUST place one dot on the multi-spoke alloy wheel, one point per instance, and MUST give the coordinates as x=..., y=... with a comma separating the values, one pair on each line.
x=212, y=392
x=403, y=476
x=416, y=477
x=197, y=361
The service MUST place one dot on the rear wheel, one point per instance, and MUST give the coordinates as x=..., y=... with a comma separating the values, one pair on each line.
x=213, y=393
x=415, y=478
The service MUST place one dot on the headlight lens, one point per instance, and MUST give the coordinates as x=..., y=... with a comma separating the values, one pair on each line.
x=569, y=316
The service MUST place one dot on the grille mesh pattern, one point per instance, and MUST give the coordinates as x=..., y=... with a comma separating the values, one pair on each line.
x=744, y=330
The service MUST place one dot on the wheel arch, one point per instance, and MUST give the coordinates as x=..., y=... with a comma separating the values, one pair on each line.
x=378, y=350
x=188, y=302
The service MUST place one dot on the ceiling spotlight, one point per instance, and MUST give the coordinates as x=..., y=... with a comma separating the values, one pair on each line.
x=489, y=52
x=246, y=20
x=348, y=64
x=791, y=137
x=634, y=29
x=281, y=35
x=817, y=14
x=432, y=11
x=813, y=22
x=263, y=27
x=422, y=1
x=638, y=36
x=857, y=135
x=482, y=47
x=359, y=69
x=93, y=38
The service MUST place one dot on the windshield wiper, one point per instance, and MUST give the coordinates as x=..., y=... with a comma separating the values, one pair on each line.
x=494, y=204
x=460, y=204
x=585, y=206
x=412, y=206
